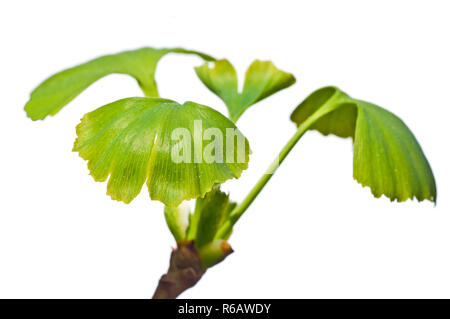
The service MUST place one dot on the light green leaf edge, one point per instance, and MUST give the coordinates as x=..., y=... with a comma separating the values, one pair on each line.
x=130, y=140
x=262, y=79
x=386, y=156
x=61, y=88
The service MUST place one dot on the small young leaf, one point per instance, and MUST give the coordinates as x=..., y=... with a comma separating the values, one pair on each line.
x=214, y=252
x=162, y=142
x=177, y=219
x=386, y=155
x=58, y=90
x=210, y=212
x=262, y=79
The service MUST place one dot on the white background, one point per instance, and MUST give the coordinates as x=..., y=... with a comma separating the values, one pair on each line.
x=312, y=233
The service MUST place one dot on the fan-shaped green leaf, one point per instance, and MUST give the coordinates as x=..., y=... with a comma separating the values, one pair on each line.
x=164, y=143
x=262, y=79
x=58, y=90
x=386, y=155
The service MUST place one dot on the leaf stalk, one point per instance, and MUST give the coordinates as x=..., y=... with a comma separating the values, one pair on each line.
x=254, y=192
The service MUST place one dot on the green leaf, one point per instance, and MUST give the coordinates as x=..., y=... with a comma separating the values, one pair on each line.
x=209, y=214
x=135, y=140
x=58, y=90
x=177, y=219
x=386, y=155
x=262, y=79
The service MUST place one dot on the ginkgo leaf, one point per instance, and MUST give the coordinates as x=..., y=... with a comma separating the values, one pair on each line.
x=386, y=155
x=171, y=146
x=177, y=219
x=262, y=79
x=61, y=88
x=210, y=213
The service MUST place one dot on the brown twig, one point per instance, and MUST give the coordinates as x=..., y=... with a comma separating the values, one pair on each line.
x=185, y=270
